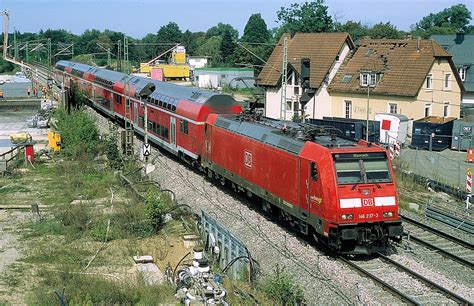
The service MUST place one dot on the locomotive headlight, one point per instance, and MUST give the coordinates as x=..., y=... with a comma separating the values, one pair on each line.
x=388, y=214
x=347, y=217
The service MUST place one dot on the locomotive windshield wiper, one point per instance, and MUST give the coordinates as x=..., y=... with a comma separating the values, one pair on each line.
x=363, y=174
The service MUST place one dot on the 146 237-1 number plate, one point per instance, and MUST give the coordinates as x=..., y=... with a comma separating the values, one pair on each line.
x=368, y=216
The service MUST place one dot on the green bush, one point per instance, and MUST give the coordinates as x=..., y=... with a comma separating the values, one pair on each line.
x=156, y=207
x=79, y=134
x=282, y=289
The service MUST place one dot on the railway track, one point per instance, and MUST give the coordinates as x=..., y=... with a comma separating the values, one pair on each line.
x=403, y=283
x=444, y=244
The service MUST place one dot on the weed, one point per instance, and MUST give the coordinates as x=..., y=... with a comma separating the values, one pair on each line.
x=282, y=288
x=12, y=189
x=44, y=227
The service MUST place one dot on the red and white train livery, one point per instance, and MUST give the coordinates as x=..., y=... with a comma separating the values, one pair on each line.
x=340, y=191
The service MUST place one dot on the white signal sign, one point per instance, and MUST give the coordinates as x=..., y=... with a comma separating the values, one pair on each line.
x=146, y=149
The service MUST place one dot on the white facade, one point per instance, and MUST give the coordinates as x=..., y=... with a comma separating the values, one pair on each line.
x=318, y=107
x=197, y=62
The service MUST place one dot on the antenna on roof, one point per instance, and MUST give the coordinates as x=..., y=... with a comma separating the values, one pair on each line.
x=418, y=44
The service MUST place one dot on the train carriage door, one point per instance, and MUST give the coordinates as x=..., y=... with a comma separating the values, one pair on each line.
x=317, y=203
x=173, y=132
x=135, y=113
x=206, y=152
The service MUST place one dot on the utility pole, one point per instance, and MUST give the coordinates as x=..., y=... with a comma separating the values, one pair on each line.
x=368, y=109
x=15, y=45
x=119, y=55
x=145, y=124
x=27, y=53
x=109, y=62
x=125, y=54
x=284, y=79
x=49, y=54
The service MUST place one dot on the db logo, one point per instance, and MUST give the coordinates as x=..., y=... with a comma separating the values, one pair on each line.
x=248, y=159
x=368, y=202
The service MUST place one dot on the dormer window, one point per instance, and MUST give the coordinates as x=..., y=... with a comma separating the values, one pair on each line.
x=368, y=79
x=462, y=73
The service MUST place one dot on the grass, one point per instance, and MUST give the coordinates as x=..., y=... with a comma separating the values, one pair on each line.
x=82, y=289
x=12, y=189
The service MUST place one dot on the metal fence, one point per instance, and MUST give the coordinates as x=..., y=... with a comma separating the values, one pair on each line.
x=230, y=247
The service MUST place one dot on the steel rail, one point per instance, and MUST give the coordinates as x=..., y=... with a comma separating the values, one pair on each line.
x=430, y=283
x=443, y=252
x=402, y=296
x=438, y=232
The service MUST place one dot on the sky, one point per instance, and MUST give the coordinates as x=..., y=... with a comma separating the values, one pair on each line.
x=139, y=17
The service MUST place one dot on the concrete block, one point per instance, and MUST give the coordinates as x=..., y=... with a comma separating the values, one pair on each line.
x=143, y=259
x=190, y=241
x=414, y=206
x=151, y=273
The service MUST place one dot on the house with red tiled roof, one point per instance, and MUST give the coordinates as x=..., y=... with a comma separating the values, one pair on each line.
x=416, y=78
x=326, y=52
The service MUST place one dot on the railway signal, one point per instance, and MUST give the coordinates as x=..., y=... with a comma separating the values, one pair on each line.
x=146, y=149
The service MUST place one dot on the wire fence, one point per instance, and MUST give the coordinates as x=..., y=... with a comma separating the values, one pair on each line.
x=432, y=157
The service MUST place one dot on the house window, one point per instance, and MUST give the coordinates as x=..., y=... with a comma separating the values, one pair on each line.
x=368, y=79
x=373, y=79
x=297, y=79
x=392, y=108
x=462, y=73
x=289, y=80
x=447, y=81
x=348, y=108
x=446, y=109
x=288, y=105
x=427, y=110
x=364, y=79
x=429, y=81
x=296, y=90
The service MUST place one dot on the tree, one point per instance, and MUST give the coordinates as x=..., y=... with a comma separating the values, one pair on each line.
x=385, y=30
x=356, y=29
x=448, y=21
x=192, y=41
x=167, y=35
x=307, y=17
x=220, y=29
x=211, y=48
x=256, y=30
x=227, y=47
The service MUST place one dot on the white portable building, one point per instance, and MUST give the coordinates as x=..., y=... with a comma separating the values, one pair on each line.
x=393, y=127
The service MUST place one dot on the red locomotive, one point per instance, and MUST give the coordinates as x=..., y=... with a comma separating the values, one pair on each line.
x=341, y=192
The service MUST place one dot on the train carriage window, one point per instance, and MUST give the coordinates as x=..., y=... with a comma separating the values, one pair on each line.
x=314, y=172
x=118, y=99
x=362, y=168
x=183, y=126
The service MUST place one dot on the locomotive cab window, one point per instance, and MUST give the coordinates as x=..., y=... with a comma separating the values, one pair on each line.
x=362, y=168
x=314, y=172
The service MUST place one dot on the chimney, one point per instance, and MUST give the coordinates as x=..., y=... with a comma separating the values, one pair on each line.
x=459, y=37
